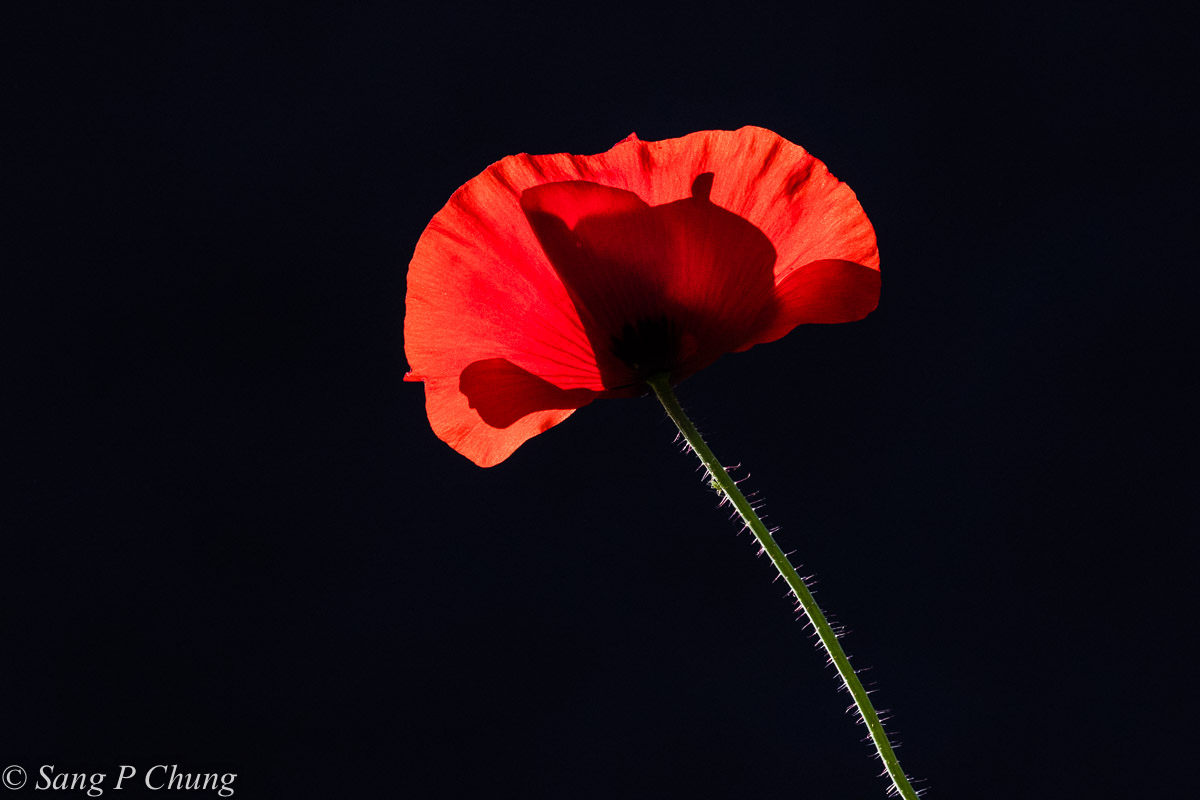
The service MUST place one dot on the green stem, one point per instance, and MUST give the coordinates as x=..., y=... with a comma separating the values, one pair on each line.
x=720, y=479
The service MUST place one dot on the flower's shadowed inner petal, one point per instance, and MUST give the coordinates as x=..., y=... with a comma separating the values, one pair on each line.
x=823, y=292
x=666, y=288
x=502, y=393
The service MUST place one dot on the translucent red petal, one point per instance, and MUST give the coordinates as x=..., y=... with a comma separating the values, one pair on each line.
x=522, y=287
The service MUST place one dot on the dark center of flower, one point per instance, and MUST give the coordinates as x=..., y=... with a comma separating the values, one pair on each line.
x=649, y=346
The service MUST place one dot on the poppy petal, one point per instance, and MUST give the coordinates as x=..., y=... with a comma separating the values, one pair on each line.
x=659, y=289
x=775, y=185
x=503, y=393
x=481, y=286
x=466, y=422
x=823, y=292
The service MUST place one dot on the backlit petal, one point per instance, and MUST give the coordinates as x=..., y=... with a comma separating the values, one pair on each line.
x=462, y=427
x=690, y=273
x=711, y=240
x=479, y=288
x=822, y=292
x=775, y=185
x=502, y=393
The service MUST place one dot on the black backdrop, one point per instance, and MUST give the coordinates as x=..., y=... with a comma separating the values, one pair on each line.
x=233, y=544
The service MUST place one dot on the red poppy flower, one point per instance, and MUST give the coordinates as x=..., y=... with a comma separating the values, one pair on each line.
x=549, y=281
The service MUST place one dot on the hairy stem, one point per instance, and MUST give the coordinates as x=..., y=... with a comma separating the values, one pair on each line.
x=720, y=479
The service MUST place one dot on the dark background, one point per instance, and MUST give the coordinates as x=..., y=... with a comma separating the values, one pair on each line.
x=231, y=541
